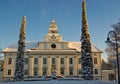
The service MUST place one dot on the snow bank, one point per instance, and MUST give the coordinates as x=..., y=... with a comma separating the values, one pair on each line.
x=62, y=82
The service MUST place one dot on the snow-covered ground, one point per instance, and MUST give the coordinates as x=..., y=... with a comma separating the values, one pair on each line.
x=62, y=82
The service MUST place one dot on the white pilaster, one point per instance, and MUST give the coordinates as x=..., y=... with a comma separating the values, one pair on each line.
x=58, y=65
x=5, y=66
x=66, y=66
x=31, y=66
x=49, y=66
x=40, y=66
x=75, y=66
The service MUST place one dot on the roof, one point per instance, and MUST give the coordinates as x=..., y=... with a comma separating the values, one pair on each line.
x=34, y=45
x=13, y=47
x=77, y=46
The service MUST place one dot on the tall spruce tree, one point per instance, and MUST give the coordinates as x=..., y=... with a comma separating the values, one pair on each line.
x=19, y=71
x=86, y=58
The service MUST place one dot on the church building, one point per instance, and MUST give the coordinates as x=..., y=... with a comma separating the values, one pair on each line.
x=51, y=55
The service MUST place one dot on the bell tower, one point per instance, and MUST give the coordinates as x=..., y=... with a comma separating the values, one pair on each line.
x=53, y=35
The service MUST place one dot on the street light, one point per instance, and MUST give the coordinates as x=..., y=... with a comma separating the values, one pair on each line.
x=114, y=66
x=109, y=41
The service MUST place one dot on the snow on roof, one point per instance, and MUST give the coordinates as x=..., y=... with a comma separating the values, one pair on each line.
x=34, y=45
x=29, y=45
x=77, y=46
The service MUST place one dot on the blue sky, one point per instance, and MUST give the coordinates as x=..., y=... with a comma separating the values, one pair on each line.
x=101, y=15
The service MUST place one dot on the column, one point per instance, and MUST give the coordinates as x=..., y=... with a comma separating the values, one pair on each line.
x=31, y=66
x=75, y=66
x=58, y=65
x=49, y=66
x=66, y=66
x=5, y=67
x=40, y=66
x=14, y=65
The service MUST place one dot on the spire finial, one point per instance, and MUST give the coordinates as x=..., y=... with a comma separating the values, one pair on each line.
x=53, y=27
x=24, y=17
x=53, y=20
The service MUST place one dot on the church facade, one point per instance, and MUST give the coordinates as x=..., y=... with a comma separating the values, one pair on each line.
x=51, y=55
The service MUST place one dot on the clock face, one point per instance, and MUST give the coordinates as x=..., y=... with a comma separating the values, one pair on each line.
x=53, y=46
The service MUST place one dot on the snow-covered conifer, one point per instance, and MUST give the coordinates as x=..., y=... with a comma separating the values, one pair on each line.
x=19, y=71
x=86, y=58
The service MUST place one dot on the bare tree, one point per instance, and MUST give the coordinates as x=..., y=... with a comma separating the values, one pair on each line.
x=110, y=49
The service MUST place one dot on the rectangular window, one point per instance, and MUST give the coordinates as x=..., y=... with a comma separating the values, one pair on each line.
x=45, y=46
x=53, y=61
x=26, y=71
x=44, y=60
x=70, y=61
x=111, y=76
x=62, y=70
x=44, y=70
x=96, y=71
x=26, y=61
x=35, y=60
x=80, y=71
x=9, y=71
x=62, y=60
x=79, y=61
x=71, y=70
x=62, y=46
x=95, y=60
x=10, y=54
x=35, y=71
x=9, y=60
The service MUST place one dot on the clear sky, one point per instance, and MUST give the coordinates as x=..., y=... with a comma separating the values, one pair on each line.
x=101, y=15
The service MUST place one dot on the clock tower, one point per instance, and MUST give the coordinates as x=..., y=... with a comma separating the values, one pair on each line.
x=53, y=35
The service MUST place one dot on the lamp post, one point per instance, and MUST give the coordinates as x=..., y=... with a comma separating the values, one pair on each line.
x=109, y=41
x=114, y=66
